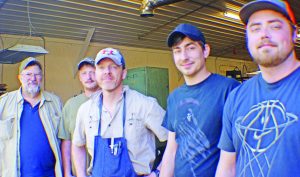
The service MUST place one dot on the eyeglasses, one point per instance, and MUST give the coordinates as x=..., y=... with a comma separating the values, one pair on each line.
x=30, y=75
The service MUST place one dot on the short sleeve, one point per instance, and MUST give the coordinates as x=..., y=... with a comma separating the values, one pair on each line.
x=226, y=139
x=79, y=138
x=170, y=115
x=154, y=118
x=64, y=132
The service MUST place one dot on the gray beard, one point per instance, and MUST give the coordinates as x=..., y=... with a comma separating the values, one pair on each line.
x=32, y=91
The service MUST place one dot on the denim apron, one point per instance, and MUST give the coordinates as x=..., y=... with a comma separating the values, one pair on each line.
x=111, y=158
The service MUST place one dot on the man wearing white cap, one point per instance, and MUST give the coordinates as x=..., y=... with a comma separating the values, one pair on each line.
x=261, y=135
x=29, y=122
x=118, y=125
x=86, y=75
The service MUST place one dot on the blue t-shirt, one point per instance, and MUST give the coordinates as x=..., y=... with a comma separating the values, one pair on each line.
x=37, y=158
x=261, y=124
x=194, y=113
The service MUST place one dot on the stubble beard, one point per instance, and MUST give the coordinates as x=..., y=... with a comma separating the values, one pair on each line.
x=266, y=60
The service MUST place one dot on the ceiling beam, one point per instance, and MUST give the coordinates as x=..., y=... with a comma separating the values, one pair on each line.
x=84, y=48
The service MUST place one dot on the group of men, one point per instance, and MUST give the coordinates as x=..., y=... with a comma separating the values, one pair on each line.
x=109, y=130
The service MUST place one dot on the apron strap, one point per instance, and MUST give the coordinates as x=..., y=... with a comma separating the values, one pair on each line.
x=123, y=114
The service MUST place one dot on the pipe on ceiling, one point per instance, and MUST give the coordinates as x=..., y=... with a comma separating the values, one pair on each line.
x=148, y=6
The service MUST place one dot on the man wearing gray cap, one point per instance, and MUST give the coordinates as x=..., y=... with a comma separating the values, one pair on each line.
x=194, y=111
x=118, y=125
x=29, y=122
x=86, y=75
x=261, y=135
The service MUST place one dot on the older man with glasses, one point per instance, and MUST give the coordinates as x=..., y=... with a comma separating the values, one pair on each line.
x=29, y=122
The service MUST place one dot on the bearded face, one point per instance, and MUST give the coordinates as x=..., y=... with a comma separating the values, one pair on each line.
x=31, y=79
x=270, y=38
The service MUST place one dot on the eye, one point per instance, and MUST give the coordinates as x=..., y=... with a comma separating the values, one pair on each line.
x=255, y=28
x=191, y=47
x=176, y=51
x=100, y=67
x=276, y=26
x=114, y=66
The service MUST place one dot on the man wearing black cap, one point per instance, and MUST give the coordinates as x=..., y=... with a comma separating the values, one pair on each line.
x=86, y=75
x=261, y=135
x=194, y=111
x=118, y=125
x=29, y=122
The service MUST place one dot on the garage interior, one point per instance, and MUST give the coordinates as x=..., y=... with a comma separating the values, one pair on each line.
x=61, y=32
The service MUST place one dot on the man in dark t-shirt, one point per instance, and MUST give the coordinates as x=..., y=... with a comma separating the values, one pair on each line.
x=194, y=110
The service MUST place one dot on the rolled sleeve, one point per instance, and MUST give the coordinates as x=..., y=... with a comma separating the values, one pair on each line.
x=154, y=119
x=79, y=138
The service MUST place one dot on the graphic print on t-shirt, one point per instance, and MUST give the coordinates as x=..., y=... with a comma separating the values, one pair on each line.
x=259, y=131
x=194, y=143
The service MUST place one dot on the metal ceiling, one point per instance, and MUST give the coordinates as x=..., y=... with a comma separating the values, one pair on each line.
x=119, y=22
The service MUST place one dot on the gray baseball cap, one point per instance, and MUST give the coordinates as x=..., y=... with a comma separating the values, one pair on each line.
x=87, y=60
x=29, y=62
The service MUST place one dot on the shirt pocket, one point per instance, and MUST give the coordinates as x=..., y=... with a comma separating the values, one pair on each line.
x=135, y=128
x=55, y=118
x=135, y=121
x=6, y=127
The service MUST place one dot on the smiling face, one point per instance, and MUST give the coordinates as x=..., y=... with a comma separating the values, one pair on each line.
x=87, y=77
x=31, y=79
x=189, y=57
x=270, y=38
x=109, y=75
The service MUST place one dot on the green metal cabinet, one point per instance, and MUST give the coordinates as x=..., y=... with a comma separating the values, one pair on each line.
x=153, y=82
x=150, y=81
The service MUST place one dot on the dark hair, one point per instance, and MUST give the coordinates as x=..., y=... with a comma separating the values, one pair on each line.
x=179, y=37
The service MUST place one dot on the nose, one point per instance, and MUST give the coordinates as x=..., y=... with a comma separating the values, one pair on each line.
x=107, y=70
x=265, y=33
x=90, y=74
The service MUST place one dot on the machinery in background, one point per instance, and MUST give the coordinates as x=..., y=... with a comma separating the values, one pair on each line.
x=3, y=89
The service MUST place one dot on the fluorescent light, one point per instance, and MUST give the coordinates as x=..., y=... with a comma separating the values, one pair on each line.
x=18, y=52
x=231, y=15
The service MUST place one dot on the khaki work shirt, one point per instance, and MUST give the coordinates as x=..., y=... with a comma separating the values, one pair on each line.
x=143, y=121
x=11, y=107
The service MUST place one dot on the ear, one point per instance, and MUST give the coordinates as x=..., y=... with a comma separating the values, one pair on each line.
x=206, y=50
x=19, y=77
x=295, y=34
x=124, y=73
x=78, y=75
